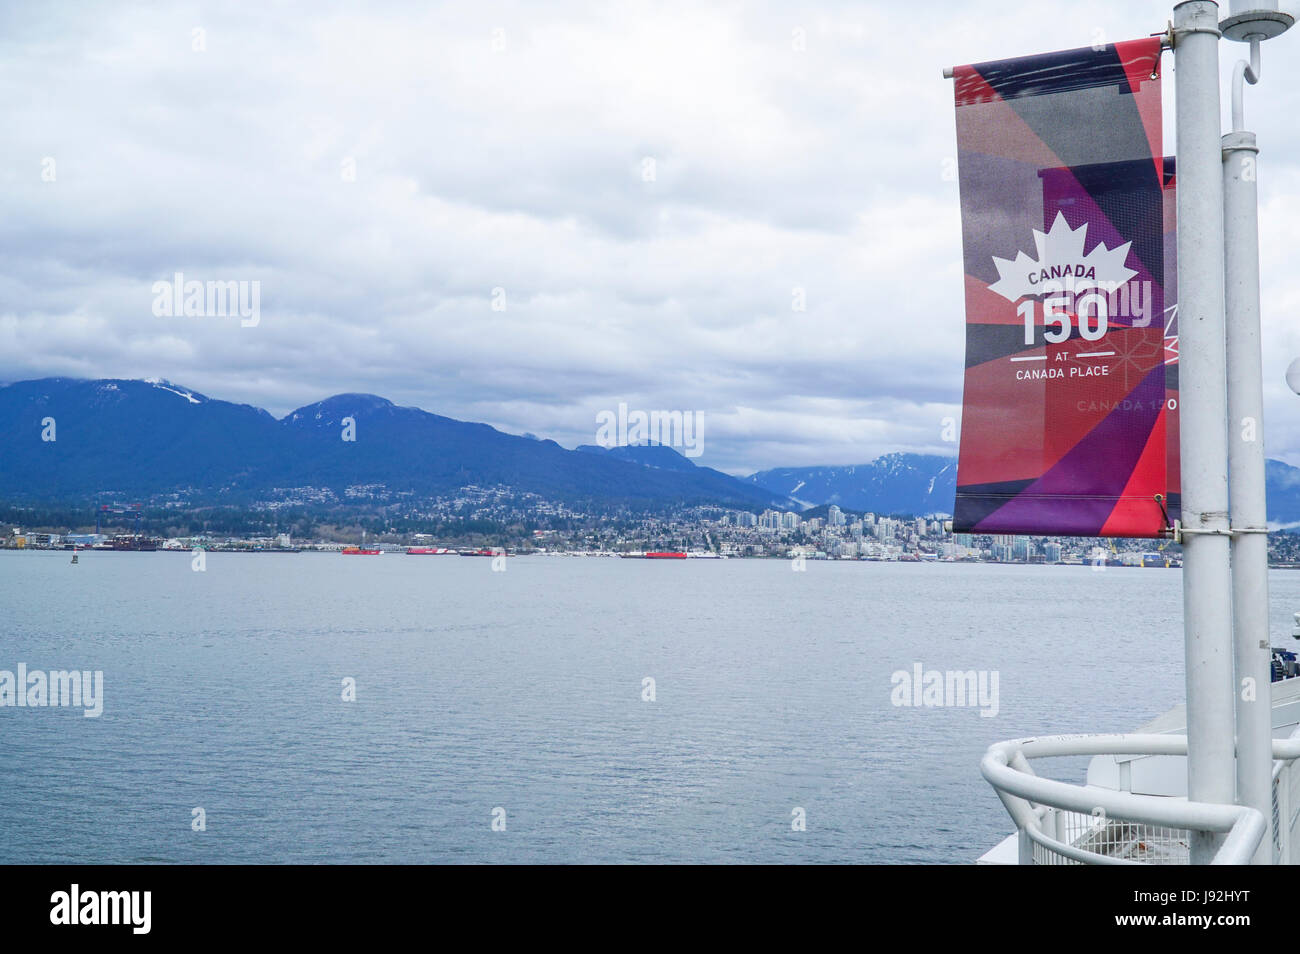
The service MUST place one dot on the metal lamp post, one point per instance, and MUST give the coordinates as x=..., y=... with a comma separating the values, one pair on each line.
x=1207, y=607
x=1225, y=577
x=1249, y=21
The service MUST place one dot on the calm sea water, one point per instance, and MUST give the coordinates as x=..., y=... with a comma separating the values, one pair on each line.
x=523, y=690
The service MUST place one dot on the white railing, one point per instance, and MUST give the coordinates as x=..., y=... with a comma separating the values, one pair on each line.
x=1286, y=800
x=1061, y=823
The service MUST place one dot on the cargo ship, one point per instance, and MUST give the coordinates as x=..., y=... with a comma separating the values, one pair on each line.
x=135, y=542
x=655, y=555
x=429, y=551
x=360, y=551
x=482, y=553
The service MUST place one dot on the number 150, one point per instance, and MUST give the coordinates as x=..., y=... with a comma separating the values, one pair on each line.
x=1091, y=327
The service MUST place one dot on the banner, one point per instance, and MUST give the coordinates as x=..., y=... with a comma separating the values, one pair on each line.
x=1069, y=422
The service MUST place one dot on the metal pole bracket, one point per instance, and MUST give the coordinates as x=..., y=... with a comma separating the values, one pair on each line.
x=1180, y=531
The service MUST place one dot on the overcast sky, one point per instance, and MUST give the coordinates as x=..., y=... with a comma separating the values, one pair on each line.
x=505, y=146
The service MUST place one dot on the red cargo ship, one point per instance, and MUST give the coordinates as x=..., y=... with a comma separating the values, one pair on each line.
x=358, y=551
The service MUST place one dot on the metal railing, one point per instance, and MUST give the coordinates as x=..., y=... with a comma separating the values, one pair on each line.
x=1286, y=801
x=1115, y=840
x=1061, y=823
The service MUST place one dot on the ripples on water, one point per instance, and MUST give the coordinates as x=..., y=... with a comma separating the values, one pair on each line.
x=523, y=690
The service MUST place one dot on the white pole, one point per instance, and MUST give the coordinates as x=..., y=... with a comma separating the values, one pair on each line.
x=1207, y=615
x=1246, y=474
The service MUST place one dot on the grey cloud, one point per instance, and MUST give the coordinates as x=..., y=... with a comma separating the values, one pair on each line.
x=522, y=170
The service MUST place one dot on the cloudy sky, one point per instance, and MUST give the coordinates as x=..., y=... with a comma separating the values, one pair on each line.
x=645, y=184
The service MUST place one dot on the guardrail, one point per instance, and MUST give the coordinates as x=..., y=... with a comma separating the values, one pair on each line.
x=1061, y=823
x=1286, y=801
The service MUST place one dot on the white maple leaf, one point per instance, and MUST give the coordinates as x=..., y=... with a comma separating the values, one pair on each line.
x=1061, y=264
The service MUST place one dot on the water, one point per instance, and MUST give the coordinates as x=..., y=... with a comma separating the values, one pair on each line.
x=522, y=690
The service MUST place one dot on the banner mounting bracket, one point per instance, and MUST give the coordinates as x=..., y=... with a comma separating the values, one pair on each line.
x=1180, y=531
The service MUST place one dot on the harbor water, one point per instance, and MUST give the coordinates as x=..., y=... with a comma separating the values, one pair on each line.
x=561, y=710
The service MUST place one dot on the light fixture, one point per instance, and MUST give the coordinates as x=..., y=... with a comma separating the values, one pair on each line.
x=1255, y=18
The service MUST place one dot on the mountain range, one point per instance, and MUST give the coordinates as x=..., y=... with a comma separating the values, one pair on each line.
x=135, y=439
x=139, y=439
x=895, y=483
x=923, y=484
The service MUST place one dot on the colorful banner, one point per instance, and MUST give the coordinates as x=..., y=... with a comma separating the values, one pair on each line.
x=1069, y=420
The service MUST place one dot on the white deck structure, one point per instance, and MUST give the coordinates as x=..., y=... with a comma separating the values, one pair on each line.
x=1133, y=807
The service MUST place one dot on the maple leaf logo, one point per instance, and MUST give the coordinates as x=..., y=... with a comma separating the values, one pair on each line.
x=1061, y=265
